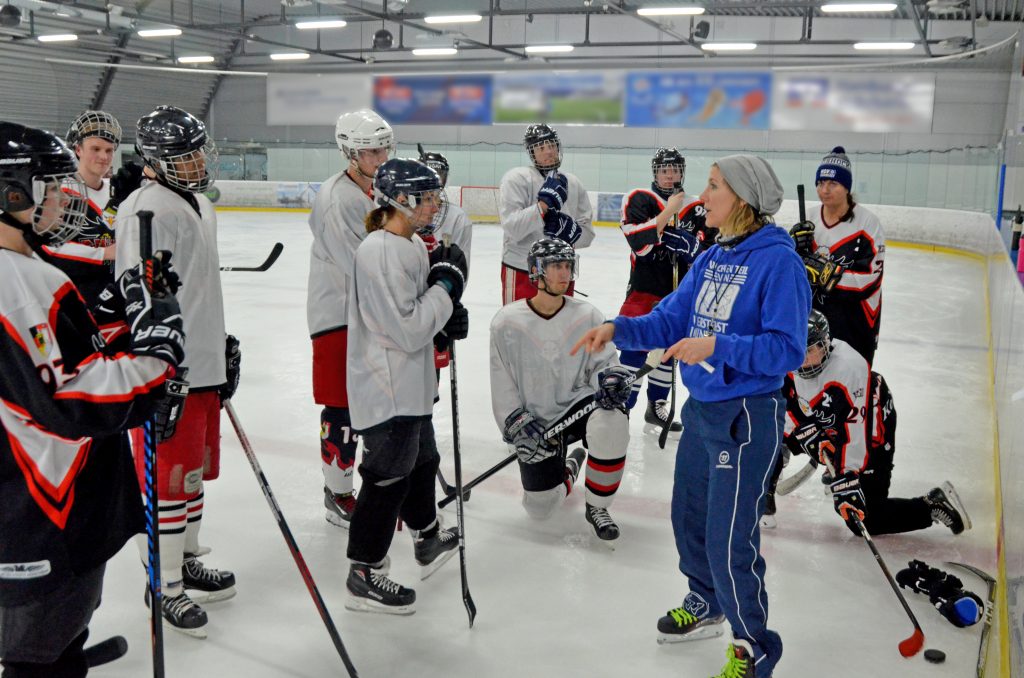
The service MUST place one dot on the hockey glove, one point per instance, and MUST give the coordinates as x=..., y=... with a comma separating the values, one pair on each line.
x=803, y=238
x=170, y=408
x=822, y=273
x=613, y=386
x=456, y=328
x=448, y=268
x=848, y=499
x=124, y=182
x=813, y=441
x=562, y=226
x=524, y=432
x=553, y=191
x=233, y=361
x=109, y=316
x=154, y=321
x=944, y=591
x=681, y=242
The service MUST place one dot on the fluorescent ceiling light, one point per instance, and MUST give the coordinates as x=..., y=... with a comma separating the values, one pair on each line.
x=729, y=46
x=159, y=32
x=850, y=7
x=685, y=10
x=197, y=59
x=321, y=23
x=453, y=19
x=434, y=51
x=57, y=37
x=289, y=56
x=548, y=49
x=883, y=45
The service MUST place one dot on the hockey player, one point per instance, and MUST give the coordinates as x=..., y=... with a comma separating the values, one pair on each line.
x=400, y=299
x=180, y=158
x=828, y=414
x=539, y=201
x=535, y=382
x=741, y=309
x=665, y=230
x=341, y=205
x=70, y=496
x=849, y=235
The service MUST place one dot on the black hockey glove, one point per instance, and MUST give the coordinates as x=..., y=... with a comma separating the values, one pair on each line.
x=562, y=226
x=124, y=182
x=848, y=499
x=682, y=242
x=814, y=441
x=613, y=387
x=944, y=591
x=554, y=192
x=154, y=321
x=822, y=273
x=526, y=434
x=170, y=408
x=456, y=328
x=803, y=237
x=233, y=363
x=448, y=268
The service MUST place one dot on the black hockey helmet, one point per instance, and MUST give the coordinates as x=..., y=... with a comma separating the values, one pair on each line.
x=175, y=145
x=542, y=134
x=94, y=124
x=33, y=165
x=548, y=251
x=817, y=335
x=436, y=162
x=668, y=157
x=404, y=177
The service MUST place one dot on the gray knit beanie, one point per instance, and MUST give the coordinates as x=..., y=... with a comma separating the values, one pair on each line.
x=753, y=180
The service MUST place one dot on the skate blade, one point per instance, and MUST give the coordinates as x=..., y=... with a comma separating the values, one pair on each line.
x=202, y=551
x=655, y=430
x=201, y=597
x=702, y=633
x=336, y=520
x=954, y=498
x=198, y=633
x=769, y=522
x=360, y=604
x=431, y=568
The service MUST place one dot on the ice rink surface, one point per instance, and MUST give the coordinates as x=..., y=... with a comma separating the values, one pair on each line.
x=551, y=600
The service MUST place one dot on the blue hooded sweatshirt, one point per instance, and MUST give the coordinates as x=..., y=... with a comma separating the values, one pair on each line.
x=754, y=297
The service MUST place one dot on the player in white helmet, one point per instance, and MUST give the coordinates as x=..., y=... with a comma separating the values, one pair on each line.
x=366, y=141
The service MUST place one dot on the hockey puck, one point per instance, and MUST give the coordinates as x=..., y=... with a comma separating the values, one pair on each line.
x=935, y=656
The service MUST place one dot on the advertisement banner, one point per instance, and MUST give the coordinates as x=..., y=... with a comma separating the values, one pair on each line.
x=433, y=99
x=695, y=100
x=593, y=98
x=854, y=102
x=314, y=98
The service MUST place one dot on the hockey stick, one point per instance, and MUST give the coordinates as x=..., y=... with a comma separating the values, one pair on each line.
x=156, y=628
x=271, y=258
x=106, y=651
x=448, y=488
x=790, y=483
x=989, y=612
x=663, y=436
x=318, y=600
x=460, y=498
x=576, y=412
x=801, y=205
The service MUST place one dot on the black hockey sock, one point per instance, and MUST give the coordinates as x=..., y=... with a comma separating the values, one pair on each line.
x=373, y=522
x=419, y=509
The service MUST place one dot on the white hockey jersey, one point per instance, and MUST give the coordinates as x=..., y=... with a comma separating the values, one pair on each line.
x=530, y=362
x=521, y=218
x=338, y=228
x=859, y=245
x=456, y=225
x=836, y=399
x=192, y=239
x=392, y=319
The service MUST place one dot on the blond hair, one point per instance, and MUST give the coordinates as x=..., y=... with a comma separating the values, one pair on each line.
x=743, y=218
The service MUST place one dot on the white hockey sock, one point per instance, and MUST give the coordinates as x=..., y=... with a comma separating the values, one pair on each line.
x=171, y=519
x=606, y=460
x=194, y=518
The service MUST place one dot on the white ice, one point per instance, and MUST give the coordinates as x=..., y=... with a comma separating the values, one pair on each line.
x=551, y=600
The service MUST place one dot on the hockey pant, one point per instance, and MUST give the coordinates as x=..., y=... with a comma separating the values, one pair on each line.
x=853, y=322
x=723, y=466
x=516, y=285
x=400, y=461
x=338, y=443
x=547, y=483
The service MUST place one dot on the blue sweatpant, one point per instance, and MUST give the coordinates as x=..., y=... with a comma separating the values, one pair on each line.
x=723, y=467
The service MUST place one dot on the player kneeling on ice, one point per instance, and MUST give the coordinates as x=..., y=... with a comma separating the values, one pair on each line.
x=535, y=383
x=836, y=384
x=401, y=299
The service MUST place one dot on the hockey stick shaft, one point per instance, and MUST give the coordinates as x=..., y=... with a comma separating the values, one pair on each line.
x=156, y=629
x=801, y=204
x=271, y=258
x=663, y=436
x=300, y=562
x=467, y=598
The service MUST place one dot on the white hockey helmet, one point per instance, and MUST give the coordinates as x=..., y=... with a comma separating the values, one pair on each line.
x=363, y=129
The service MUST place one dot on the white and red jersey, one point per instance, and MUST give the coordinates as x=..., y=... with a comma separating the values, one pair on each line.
x=337, y=223
x=70, y=499
x=858, y=244
x=835, y=400
x=522, y=220
x=82, y=258
x=185, y=224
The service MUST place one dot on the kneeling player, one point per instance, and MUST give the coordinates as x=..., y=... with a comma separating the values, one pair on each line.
x=536, y=383
x=834, y=387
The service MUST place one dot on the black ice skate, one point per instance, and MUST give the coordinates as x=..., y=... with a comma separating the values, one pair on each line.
x=739, y=662
x=947, y=508
x=434, y=551
x=205, y=584
x=182, y=614
x=768, y=519
x=340, y=507
x=657, y=415
x=603, y=524
x=573, y=464
x=680, y=625
x=371, y=591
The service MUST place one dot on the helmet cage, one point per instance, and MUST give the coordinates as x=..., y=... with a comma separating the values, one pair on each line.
x=72, y=219
x=94, y=124
x=817, y=336
x=536, y=136
x=550, y=251
x=668, y=157
x=192, y=171
x=439, y=217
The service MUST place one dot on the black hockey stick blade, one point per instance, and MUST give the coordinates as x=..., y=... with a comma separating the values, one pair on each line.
x=106, y=651
x=271, y=258
x=790, y=483
x=449, y=489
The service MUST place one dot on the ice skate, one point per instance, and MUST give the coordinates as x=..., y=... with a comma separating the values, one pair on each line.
x=947, y=508
x=680, y=625
x=182, y=614
x=205, y=584
x=434, y=551
x=604, y=526
x=655, y=417
x=340, y=507
x=371, y=591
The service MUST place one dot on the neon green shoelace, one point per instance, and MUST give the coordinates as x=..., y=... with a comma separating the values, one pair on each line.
x=681, y=617
x=735, y=667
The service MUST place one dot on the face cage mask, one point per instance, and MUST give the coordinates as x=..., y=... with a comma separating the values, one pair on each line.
x=435, y=223
x=544, y=262
x=193, y=172
x=93, y=125
x=678, y=184
x=533, y=156
x=72, y=220
x=410, y=209
x=815, y=370
x=352, y=155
